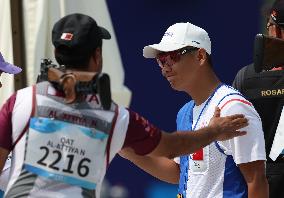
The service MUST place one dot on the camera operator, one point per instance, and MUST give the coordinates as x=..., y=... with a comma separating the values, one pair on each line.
x=269, y=106
x=61, y=146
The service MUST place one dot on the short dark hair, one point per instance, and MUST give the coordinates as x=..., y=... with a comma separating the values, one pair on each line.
x=209, y=59
x=75, y=38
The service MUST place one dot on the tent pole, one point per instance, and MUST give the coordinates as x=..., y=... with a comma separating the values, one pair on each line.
x=18, y=41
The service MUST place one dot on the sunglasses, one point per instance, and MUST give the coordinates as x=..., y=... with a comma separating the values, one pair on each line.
x=170, y=58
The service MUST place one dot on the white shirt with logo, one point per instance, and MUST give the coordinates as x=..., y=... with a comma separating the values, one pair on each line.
x=207, y=166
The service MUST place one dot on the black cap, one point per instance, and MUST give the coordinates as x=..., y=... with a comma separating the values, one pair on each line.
x=77, y=35
x=277, y=12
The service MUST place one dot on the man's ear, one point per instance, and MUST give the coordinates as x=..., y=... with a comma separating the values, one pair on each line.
x=201, y=56
x=98, y=56
x=96, y=61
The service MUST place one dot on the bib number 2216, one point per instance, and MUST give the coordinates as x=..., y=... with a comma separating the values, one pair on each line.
x=65, y=152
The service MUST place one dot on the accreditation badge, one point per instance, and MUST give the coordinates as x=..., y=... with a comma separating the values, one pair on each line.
x=65, y=152
x=199, y=161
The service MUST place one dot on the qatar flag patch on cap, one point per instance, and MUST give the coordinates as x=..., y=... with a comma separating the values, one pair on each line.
x=66, y=36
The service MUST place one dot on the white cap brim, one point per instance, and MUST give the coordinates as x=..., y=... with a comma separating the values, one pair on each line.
x=151, y=51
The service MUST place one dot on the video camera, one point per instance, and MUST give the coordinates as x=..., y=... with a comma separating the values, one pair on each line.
x=268, y=52
x=81, y=83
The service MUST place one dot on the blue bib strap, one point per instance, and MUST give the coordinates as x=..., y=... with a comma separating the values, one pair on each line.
x=219, y=148
x=184, y=123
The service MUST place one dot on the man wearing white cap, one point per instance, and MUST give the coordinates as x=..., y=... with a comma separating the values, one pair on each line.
x=223, y=169
x=11, y=69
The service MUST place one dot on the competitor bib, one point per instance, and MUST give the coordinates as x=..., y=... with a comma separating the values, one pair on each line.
x=65, y=152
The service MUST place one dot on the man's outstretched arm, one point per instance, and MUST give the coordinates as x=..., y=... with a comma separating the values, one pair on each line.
x=160, y=160
x=181, y=143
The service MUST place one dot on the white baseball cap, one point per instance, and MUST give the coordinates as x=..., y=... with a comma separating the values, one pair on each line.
x=178, y=36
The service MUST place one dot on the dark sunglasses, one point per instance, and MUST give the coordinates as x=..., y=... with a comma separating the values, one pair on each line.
x=170, y=58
